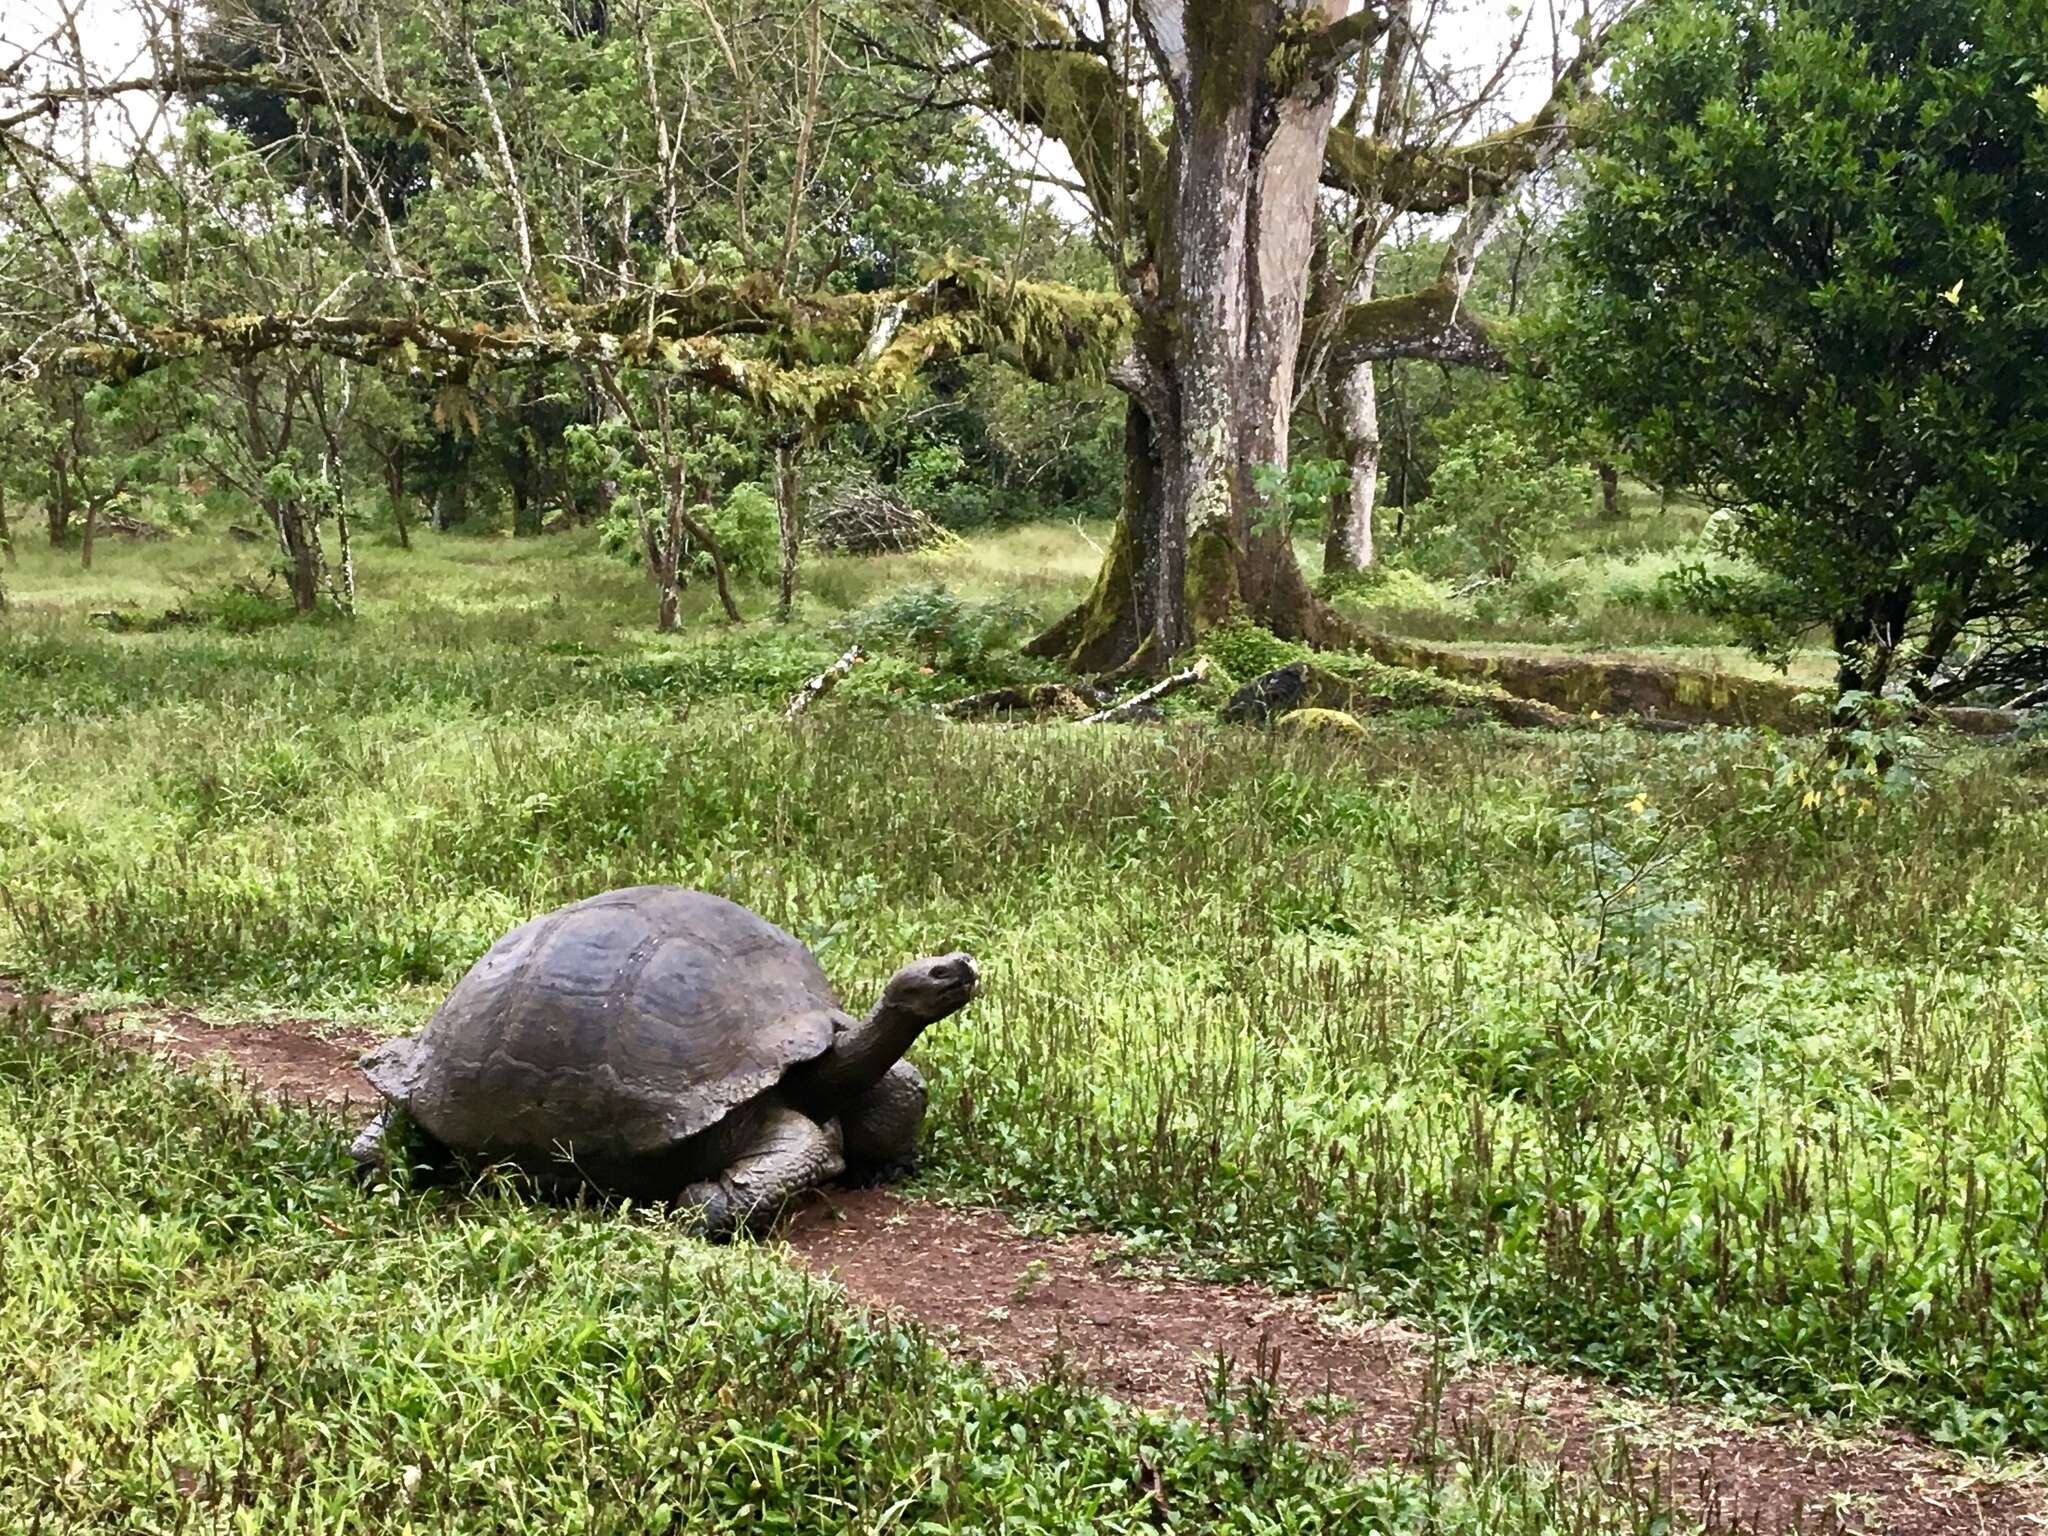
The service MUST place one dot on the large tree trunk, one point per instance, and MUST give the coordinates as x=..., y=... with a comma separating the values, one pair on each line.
x=1212, y=377
x=1118, y=622
x=1230, y=228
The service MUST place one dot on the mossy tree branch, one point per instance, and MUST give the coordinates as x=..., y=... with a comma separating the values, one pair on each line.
x=1039, y=73
x=193, y=75
x=820, y=358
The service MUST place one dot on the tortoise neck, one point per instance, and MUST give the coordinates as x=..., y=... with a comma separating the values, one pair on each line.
x=862, y=1056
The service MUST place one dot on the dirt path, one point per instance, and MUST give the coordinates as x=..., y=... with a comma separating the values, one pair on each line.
x=1018, y=1302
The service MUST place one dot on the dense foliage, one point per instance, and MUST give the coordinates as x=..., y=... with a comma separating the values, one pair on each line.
x=1810, y=283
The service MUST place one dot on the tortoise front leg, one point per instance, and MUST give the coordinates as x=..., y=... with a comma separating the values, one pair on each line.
x=882, y=1125
x=789, y=1154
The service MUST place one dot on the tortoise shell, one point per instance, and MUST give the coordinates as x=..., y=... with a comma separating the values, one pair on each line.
x=613, y=1031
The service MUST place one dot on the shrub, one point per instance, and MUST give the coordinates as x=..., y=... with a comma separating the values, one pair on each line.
x=943, y=629
x=1500, y=489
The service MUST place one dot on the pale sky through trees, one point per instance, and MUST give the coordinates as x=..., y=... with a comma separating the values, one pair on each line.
x=1468, y=41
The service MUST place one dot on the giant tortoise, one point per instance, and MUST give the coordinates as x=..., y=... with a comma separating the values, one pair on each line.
x=667, y=1045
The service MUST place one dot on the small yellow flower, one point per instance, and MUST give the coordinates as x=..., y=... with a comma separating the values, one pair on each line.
x=1639, y=805
x=1809, y=800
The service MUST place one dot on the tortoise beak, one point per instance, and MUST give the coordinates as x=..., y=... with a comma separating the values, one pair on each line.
x=959, y=973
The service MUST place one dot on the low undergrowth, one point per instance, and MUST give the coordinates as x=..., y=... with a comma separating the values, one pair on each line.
x=206, y=1326
x=1708, y=1062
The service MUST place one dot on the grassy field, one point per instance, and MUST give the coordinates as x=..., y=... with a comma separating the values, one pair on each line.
x=1695, y=1062
x=204, y=1326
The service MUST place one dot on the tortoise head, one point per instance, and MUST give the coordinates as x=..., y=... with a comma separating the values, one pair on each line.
x=921, y=994
x=928, y=990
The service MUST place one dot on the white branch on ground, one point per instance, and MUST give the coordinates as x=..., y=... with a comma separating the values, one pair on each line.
x=823, y=683
x=1152, y=695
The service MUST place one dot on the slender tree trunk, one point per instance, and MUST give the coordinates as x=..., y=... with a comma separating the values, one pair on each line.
x=708, y=542
x=662, y=544
x=788, y=519
x=1610, y=492
x=92, y=521
x=668, y=585
x=58, y=512
x=7, y=550
x=1351, y=545
x=529, y=507
x=298, y=540
x=394, y=472
x=345, y=594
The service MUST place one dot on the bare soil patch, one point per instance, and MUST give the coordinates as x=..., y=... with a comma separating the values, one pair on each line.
x=1374, y=1392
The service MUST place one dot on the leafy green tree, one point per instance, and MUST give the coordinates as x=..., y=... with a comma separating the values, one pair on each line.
x=678, y=189
x=1809, y=283
x=1501, y=486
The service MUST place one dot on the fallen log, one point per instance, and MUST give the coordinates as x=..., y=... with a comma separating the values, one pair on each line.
x=823, y=683
x=1582, y=685
x=129, y=527
x=1038, y=700
x=1663, y=698
x=1303, y=686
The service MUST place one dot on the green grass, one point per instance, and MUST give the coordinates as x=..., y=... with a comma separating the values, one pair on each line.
x=1649, y=1056
x=206, y=1326
x=1601, y=585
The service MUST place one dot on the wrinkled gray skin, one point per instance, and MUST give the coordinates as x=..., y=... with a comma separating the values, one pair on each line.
x=667, y=1045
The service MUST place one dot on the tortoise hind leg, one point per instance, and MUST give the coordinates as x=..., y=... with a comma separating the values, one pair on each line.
x=882, y=1126
x=789, y=1154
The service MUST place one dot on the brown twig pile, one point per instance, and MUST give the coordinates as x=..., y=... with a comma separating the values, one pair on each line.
x=862, y=518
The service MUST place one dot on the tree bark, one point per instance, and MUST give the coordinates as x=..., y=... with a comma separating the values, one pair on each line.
x=1351, y=545
x=1212, y=375
x=788, y=519
x=58, y=512
x=299, y=542
x=92, y=519
x=1117, y=624
x=1610, y=492
x=7, y=551
x=394, y=475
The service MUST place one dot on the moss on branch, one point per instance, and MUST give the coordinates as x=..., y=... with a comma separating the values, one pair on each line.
x=1430, y=323
x=1046, y=78
x=866, y=348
